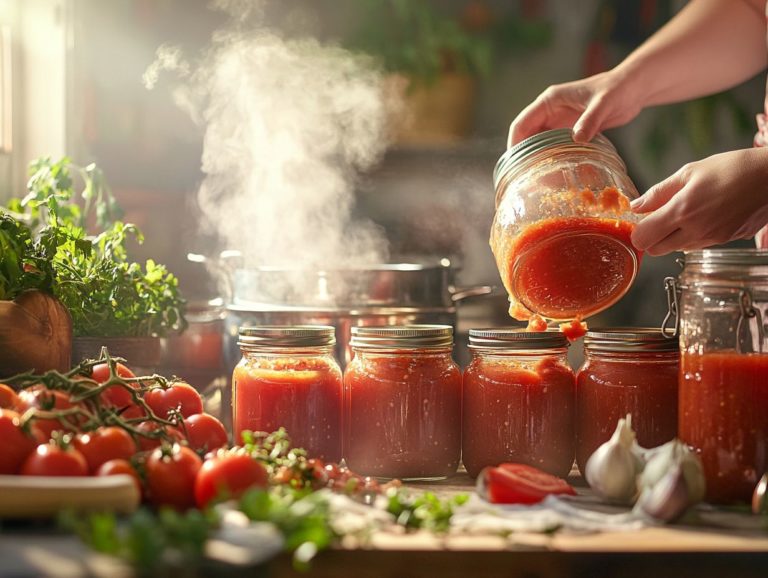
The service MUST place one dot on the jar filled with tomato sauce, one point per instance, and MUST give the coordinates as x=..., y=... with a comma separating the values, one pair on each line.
x=402, y=413
x=561, y=231
x=519, y=395
x=630, y=370
x=288, y=377
x=724, y=367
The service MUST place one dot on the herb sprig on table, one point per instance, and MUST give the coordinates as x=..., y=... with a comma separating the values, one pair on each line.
x=48, y=248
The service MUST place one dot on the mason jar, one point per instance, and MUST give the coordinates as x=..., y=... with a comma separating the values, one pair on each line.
x=724, y=367
x=628, y=370
x=518, y=401
x=561, y=231
x=402, y=413
x=288, y=377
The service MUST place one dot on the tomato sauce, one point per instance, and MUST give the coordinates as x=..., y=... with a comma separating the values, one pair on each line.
x=403, y=415
x=724, y=417
x=518, y=412
x=568, y=267
x=303, y=395
x=608, y=388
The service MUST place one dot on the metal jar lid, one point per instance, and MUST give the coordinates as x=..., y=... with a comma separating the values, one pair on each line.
x=628, y=339
x=515, y=338
x=541, y=141
x=268, y=336
x=402, y=337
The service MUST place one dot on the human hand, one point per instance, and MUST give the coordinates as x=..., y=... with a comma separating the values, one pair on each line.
x=708, y=202
x=589, y=106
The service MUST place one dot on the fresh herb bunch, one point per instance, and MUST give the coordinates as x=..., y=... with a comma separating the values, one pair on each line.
x=105, y=292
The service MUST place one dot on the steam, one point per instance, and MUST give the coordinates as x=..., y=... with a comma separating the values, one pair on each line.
x=288, y=125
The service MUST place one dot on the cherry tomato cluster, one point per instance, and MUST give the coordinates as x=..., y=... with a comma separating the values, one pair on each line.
x=100, y=419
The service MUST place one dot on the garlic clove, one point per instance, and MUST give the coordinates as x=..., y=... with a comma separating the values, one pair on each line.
x=668, y=498
x=611, y=471
x=664, y=458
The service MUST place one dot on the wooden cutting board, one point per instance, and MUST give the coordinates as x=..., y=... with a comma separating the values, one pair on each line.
x=42, y=496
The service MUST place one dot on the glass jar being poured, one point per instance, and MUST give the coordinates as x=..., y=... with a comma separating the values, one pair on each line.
x=561, y=232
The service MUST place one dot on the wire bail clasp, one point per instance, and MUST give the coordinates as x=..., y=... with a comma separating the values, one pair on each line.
x=749, y=311
x=673, y=291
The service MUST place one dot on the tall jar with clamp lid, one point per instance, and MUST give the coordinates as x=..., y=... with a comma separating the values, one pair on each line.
x=723, y=411
x=561, y=232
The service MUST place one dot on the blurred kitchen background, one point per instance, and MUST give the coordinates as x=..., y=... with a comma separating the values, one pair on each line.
x=71, y=83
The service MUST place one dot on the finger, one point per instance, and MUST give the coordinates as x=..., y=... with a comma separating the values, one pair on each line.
x=653, y=229
x=659, y=194
x=590, y=122
x=530, y=121
x=676, y=241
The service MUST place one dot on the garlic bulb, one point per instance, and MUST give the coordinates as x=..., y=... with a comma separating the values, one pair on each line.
x=662, y=460
x=668, y=498
x=612, y=470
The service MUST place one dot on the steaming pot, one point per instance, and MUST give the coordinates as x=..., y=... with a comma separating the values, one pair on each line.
x=387, y=294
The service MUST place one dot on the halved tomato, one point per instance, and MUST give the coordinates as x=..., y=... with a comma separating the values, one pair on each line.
x=519, y=484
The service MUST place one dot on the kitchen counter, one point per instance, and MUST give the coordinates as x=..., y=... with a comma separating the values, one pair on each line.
x=718, y=543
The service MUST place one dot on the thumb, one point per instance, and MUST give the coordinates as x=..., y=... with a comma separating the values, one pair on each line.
x=590, y=122
x=659, y=194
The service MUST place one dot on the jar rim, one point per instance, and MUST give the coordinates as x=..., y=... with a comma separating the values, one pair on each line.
x=726, y=257
x=270, y=336
x=516, y=338
x=541, y=141
x=422, y=336
x=618, y=339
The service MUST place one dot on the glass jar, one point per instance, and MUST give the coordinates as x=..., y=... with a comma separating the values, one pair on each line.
x=402, y=411
x=289, y=378
x=518, y=401
x=724, y=367
x=561, y=232
x=626, y=370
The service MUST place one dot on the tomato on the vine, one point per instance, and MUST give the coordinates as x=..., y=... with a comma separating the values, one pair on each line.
x=178, y=395
x=117, y=396
x=171, y=434
x=8, y=397
x=16, y=444
x=228, y=475
x=205, y=433
x=519, y=484
x=52, y=460
x=104, y=444
x=171, y=474
x=41, y=398
x=117, y=467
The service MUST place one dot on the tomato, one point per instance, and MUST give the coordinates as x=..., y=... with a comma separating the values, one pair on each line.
x=52, y=460
x=44, y=399
x=118, y=467
x=16, y=444
x=117, y=396
x=104, y=444
x=228, y=475
x=171, y=474
x=205, y=433
x=8, y=397
x=519, y=484
x=146, y=444
x=177, y=395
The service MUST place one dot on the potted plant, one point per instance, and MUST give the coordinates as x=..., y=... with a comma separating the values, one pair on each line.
x=432, y=62
x=112, y=300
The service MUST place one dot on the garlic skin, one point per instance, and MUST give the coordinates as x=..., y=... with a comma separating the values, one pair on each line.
x=612, y=470
x=668, y=498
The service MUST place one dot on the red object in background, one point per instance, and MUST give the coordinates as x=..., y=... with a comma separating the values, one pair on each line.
x=205, y=433
x=51, y=460
x=611, y=386
x=228, y=476
x=402, y=414
x=41, y=398
x=118, y=467
x=16, y=444
x=303, y=395
x=519, y=484
x=568, y=267
x=724, y=418
x=512, y=413
x=178, y=395
x=104, y=444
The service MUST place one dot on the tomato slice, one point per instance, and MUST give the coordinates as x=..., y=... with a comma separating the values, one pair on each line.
x=519, y=484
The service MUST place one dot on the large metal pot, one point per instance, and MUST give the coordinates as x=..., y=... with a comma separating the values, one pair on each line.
x=387, y=294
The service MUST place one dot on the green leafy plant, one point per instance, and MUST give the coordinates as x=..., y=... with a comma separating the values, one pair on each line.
x=49, y=249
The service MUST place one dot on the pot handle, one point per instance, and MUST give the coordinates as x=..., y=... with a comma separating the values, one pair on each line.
x=223, y=268
x=460, y=294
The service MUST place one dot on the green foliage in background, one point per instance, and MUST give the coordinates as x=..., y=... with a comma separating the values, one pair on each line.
x=46, y=247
